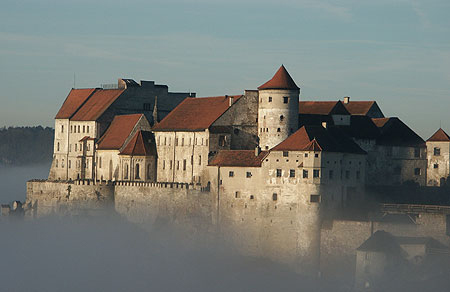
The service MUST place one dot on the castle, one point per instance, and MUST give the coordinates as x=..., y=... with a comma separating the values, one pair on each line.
x=265, y=167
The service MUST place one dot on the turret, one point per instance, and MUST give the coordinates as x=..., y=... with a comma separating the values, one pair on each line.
x=277, y=109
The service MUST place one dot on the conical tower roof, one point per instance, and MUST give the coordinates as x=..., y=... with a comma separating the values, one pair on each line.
x=281, y=80
x=439, y=136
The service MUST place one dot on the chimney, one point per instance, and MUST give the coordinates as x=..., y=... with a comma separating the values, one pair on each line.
x=324, y=124
x=346, y=99
x=230, y=100
x=257, y=150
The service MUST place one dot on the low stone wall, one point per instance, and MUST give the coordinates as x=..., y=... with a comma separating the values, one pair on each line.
x=83, y=197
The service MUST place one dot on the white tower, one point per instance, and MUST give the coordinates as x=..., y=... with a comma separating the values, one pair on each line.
x=277, y=109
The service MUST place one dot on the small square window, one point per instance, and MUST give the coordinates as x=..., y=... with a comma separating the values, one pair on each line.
x=315, y=199
x=252, y=197
x=249, y=174
x=237, y=195
x=285, y=154
x=286, y=99
x=417, y=171
x=316, y=155
x=274, y=196
x=437, y=151
x=316, y=173
x=278, y=172
x=231, y=174
x=306, y=154
x=436, y=165
x=270, y=98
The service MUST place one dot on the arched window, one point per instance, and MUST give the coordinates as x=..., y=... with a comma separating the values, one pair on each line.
x=125, y=175
x=137, y=175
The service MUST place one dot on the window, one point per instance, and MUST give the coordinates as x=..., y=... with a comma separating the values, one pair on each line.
x=292, y=173
x=206, y=142
x=222, y=140
x=270, y=98
x=305, y=173
x=84, y=129
x=437, y=151
x=149, y=171
x=192, y=159
x=231, y=173
x=274, y=196
x=164, y=164
x=314, y=199
x=285, y=154
x=306, y=154
x=182, y=141
x=248, y=174
x=330, y=174
x=184, y=164
x=56, y=163
x=416, y=152
x=347, y=174
x=79, y=129
x=237, y=195
x=279, y=130
x=165, y=141
x=62, y=163
x=125, y=175
x=76, y=147
x=316, y=173
x=416, y=171
x=358, y=174
x=62, y=128
x=70, y=163
x=170, y=164
x=252, y=197
x=178, y=164
x=99, y=162
x=87, y=129
x=285, y=99
x=137, y=176
x=316, y=155
x=199, y=160
x=281, y=118
x=436, y=165
x=57, y=147
x=176, y=141
x=71, y=129
x=278, y=172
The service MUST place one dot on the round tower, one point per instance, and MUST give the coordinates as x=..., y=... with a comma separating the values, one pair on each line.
x=277, y=109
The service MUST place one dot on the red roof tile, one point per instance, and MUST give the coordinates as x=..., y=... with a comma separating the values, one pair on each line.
x=281, y=80
x=439, y=136
x=317, y=138
x=118, y=132
x=139, y=145
x=73, y=102
x=241, y=158
x=322, y=108
x=359, y=107
x=195, y=114
x=97, y=104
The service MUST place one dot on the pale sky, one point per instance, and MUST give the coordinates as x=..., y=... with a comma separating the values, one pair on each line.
x=394, y=51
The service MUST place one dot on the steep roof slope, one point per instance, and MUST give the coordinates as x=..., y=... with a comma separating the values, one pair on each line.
x=195, y=113
x=281, y=80
x=73, y=102
x=439, y=136
x=322, y=108
x=318, y=138
x=396, y=133
x=243, y=158
x=382, y=241
x=118, y=132
x=97, y=104
x=140, y=145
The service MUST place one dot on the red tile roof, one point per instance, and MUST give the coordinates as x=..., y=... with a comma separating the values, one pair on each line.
x=194, y=114
x=439, y=136
x=73, y=102
x=241, y=158
x=393, y=132
x=359, y=107
x=97, y=104
x=118, y=132
x=317, y=138
x=281, y=80
x=322, y=107
x=139, y=145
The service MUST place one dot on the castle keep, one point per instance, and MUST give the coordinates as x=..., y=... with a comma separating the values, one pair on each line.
x=266, y=168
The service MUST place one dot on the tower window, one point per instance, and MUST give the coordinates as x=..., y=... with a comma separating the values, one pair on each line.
x=305, y=173
x=416, y=171
x=285, y=153
x=437, y=151
x=316, y=173
x=252, y=197
x=270, y=98
x=62, y=128
x=278, y=172
x=249, y=174
x=292, y=173
x=285, y=99
x=274, y=196
x=279, y=130
x=281, y=118
x=237, y=195
x=436, y=165
x=231, y=174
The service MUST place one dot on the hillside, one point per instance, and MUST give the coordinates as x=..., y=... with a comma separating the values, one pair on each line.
x=26, y=145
